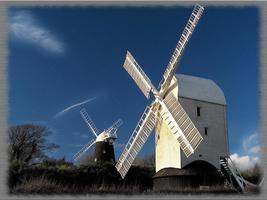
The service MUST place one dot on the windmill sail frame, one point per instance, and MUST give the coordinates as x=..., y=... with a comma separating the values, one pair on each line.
x=89, y=122
x=138, y=75
x=179, y=49
x=139, y=136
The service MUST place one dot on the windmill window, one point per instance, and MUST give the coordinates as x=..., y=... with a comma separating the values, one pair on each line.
x=206, y=130
x=198, y=111
x=200, y=155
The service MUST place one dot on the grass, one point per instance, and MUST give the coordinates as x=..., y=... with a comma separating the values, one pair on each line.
x=42, y=185
x=39, y=185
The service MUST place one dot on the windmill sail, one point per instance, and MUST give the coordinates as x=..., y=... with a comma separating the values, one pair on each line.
x=139, y=76
x=114, y=127
x=84, y=149
x=136, y=141
x=173, y=63
x=180, y=124
x=89, y=121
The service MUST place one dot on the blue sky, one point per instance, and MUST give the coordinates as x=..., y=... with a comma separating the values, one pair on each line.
x=62, y=56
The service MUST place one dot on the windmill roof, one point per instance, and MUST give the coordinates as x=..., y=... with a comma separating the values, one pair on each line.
x=200, y=88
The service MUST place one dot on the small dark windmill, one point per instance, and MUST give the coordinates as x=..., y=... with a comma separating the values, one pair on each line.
x=104, y=150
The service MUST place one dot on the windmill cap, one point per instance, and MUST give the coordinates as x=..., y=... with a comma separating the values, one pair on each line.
x=200, y=89
x=104, y=135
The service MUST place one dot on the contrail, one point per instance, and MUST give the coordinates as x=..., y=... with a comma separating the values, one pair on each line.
x=73, y=106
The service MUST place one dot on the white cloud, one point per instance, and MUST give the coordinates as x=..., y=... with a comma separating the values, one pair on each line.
x=23, y=26
x=251, y=153
x=72, y=106
x=242, y=162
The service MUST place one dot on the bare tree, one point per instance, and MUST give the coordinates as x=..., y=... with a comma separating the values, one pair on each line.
x=28, y=143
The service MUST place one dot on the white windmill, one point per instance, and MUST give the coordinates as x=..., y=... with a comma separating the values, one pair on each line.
x=104, y=150
x=165, y=107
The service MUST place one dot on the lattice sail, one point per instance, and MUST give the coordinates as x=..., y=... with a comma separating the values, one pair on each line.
x=136, y=141
x=139, y=76
x=188, y=30
x=114, y=127
x=84, y=149
x=180, y=124
x=89, y=121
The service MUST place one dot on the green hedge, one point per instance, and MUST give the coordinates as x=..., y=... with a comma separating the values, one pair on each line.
x=83, y=176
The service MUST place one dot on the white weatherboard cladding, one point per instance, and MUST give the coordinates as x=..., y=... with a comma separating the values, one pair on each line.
x=200, y=89
x=215, y=143
x=168, y=152
x=167, y=148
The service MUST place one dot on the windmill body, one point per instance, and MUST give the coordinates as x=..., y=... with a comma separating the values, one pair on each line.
x=104, y=148
x=104, y=152
x=205, y=104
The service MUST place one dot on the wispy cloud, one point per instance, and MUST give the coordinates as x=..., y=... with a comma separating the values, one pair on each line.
x=251, y=144
x=255, y=149
x=25, y=27
x=73, y=106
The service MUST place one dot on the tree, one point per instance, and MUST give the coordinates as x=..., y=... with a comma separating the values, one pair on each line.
x=28, y=143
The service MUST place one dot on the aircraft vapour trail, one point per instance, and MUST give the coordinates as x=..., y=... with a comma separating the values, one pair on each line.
x=73, y=106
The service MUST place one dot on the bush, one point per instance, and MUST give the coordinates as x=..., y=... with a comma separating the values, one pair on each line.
x=83, y=178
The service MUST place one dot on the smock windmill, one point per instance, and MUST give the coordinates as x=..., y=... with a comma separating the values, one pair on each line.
x=165, y=107
x=104, y=150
